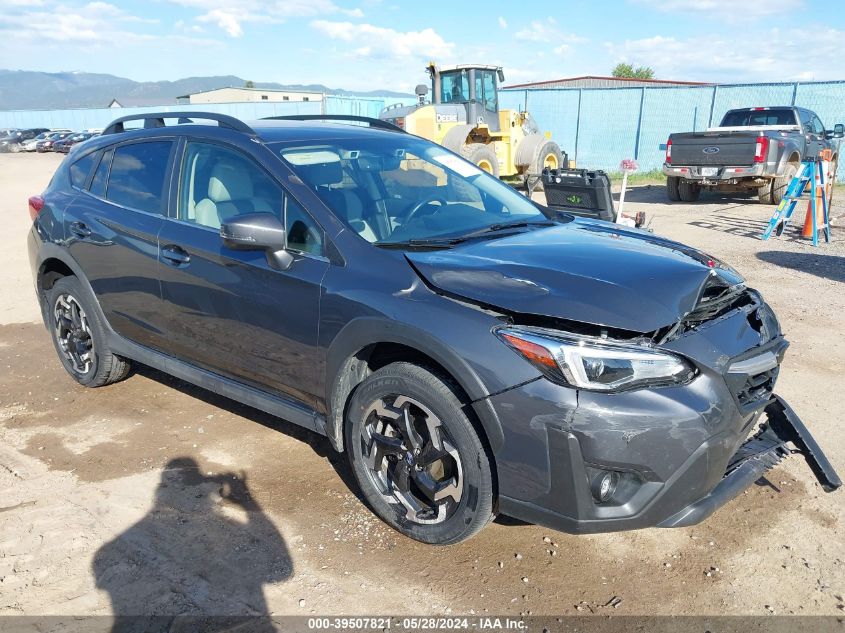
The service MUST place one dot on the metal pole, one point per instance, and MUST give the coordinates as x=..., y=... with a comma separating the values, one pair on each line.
x=712, y=106
x=794, y=92
x=639, y=125
x=577, y=125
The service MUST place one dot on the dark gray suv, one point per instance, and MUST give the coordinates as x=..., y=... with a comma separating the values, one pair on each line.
x=472, y=352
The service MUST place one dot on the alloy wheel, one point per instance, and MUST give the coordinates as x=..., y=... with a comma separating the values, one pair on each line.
x=411, y=460
x=73, y=333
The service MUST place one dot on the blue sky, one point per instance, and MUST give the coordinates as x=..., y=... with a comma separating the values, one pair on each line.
x=384, y=44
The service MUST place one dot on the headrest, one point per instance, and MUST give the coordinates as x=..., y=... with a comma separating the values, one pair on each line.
x=317, y=174
x=228, y=182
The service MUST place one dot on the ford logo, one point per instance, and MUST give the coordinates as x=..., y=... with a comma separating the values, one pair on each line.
x=711, y=150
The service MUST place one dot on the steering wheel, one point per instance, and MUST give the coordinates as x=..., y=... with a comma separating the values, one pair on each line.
x=423, y=203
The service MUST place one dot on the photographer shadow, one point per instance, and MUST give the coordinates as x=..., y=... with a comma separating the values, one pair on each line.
x=198, y=560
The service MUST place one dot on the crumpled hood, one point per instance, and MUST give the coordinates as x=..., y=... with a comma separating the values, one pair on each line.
x=585, y=271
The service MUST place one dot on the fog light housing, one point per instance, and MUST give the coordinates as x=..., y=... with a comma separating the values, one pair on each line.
x=604, y=485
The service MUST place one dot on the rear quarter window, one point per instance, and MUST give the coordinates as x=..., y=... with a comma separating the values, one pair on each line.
x=137, y=175
x=80, y=169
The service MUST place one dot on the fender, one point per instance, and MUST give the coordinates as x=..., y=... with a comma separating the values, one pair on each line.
x=48, y=250
x=362, y=332
x=790, y=147
x=456, y=137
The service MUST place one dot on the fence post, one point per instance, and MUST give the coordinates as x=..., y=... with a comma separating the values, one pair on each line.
x=639, y=125
x=794, y=92
x=578, y=125
x=712, y=105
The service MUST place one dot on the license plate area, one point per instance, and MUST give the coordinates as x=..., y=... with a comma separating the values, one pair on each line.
x=709, y=171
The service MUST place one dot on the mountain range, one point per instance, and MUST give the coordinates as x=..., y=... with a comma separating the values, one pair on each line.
x=32, y=90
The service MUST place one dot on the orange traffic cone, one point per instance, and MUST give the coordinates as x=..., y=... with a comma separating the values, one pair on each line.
x=808, y=219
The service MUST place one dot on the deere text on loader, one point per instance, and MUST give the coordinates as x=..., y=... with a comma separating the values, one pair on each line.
x=464, y=116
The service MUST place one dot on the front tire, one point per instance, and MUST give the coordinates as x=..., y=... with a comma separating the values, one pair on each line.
x=79, y=337
x=417, y=456
x=482, y=156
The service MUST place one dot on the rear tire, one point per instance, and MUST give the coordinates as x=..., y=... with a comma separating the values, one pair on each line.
x=79, y=336
x=482, y=156
x=441, y=502
x=764, y=193
x=688, y=191
x=672, y=188
x=779, y=185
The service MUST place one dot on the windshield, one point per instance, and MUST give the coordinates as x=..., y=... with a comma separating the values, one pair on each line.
x=454, y=86
x=756, y=118
x=403, y=189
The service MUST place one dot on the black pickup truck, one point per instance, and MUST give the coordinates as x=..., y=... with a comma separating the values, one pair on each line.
x=751, y=149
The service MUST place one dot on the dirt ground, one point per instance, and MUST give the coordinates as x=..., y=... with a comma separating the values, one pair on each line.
x=152, y=496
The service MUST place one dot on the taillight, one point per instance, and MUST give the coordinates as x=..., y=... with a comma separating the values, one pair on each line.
x=761, y=150
x=669, y=151
x=36, y=203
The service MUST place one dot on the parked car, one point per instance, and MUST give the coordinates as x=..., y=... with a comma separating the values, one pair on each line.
x=752, y=149
x=63, y=146
x=47, y=144
x=13, y=142
x=29, y=146
x=471, y=351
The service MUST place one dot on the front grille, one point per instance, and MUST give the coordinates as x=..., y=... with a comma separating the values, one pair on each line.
x=757, y=387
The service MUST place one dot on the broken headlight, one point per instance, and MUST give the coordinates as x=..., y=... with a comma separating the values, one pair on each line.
x=596, y=364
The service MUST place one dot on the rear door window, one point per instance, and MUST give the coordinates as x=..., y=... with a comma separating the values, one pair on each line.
x=138, y=174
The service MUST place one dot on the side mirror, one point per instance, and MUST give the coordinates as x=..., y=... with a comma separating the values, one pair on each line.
x=421, y=90
x=501, y=74
x=838, y=131
x=258, y=232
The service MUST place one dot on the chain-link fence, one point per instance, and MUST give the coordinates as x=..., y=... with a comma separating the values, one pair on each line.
x=598, y=127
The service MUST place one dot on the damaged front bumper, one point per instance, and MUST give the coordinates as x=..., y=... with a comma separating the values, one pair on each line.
x=754, y=457
x=672, y=473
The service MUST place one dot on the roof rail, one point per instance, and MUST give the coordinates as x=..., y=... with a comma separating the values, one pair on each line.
x=156, y=119
x=384, y=125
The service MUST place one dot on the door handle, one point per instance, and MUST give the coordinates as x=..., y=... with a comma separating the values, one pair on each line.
x=175, y=255
x=80, y=230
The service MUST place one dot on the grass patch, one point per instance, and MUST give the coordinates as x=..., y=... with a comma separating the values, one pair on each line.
x=653, y=177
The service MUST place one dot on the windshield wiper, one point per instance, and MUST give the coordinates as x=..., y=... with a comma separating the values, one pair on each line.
x=495, y=228
x=432, y=242
x=445, y=242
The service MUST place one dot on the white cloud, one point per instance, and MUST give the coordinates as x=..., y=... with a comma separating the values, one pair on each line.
x=719, y=58
x=90, y=23
x=729, y=10
x=503, y=23
x=547, y=32
x=376, y=41
x=231, y=15
x=229, y=21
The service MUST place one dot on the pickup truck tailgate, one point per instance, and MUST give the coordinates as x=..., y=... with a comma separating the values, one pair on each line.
x=706, y=148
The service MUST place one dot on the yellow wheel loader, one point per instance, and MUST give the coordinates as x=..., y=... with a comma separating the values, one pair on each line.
x=464, y=116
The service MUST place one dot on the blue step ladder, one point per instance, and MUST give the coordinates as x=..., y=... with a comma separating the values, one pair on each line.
x=801, y=184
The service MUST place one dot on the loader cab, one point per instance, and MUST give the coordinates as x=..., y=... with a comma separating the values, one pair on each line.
x=475, y=87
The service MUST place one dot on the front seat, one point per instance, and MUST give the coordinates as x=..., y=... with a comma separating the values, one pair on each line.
x=230, y=193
